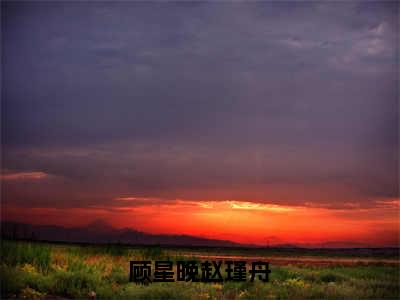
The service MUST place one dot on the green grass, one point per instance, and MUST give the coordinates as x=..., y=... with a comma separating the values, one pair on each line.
x=33, y=270
x=13, y=253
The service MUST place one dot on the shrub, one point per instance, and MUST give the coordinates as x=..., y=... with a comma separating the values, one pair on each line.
x=18, y=253
x=29, y=293
x=152, y=253
x=11, y=281
x=75, y=284
x=331, y=277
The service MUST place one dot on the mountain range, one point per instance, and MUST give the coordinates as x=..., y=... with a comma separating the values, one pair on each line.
x=100, y=232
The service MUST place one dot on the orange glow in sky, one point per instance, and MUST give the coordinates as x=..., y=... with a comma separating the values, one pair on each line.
x=239, y=221
x=258, y=123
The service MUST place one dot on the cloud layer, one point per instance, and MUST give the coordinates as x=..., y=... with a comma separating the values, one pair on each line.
x=277, y=103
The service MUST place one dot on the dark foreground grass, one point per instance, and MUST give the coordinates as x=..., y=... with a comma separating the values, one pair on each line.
x=39, y=270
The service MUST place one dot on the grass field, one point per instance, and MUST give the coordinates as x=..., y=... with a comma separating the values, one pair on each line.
x=47, y=271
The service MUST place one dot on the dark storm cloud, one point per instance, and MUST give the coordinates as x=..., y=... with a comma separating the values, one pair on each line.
x=160, y=99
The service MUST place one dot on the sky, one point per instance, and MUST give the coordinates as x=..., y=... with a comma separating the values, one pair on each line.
x=257, y=122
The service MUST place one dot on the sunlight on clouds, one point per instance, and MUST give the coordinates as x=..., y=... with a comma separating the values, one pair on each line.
x=24, y=176
x=205, y=205
x=259, y=206
x=239, y=221
x=223, y=204
x=135, y=199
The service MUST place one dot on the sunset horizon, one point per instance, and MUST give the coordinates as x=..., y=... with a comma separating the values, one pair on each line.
x=217, y=120
x=237, y=221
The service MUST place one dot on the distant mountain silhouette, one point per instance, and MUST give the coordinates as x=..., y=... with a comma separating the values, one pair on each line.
x=99, y=226
x=343, y=244
x=100, y=232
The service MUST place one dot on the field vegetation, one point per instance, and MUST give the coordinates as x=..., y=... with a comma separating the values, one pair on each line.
x=45, y=271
